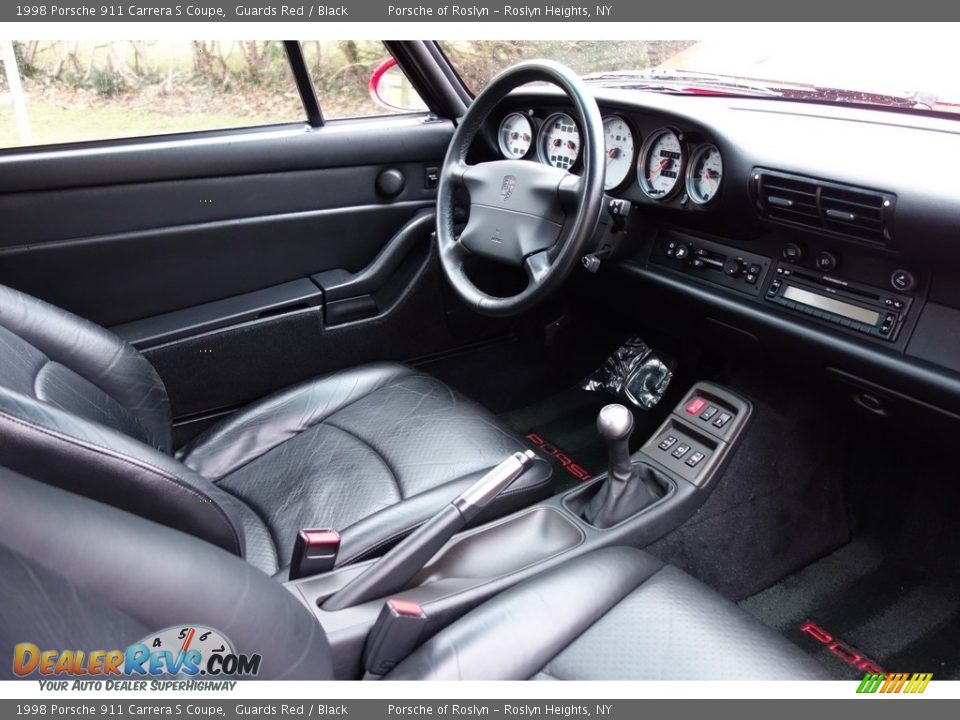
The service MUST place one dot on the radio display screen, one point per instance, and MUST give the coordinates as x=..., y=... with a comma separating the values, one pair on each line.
x=822, y=302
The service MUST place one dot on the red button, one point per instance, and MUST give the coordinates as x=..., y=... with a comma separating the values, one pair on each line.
x=321, y=537
x=405, y=607
x=696, y=405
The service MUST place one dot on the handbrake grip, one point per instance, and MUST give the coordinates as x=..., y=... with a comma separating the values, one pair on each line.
x=393, y=571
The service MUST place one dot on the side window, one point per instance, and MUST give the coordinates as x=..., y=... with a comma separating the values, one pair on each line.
x=358, y=78
x=61, y=91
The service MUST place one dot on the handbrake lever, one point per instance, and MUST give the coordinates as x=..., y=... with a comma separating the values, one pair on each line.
x=393, y=571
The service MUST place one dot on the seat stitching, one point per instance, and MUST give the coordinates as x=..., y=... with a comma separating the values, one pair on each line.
x=143, y=464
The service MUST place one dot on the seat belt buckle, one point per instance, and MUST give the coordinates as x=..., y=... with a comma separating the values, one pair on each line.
x=314, y=552
x=394, y=635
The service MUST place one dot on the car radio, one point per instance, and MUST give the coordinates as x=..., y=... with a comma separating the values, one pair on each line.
x=862, y=308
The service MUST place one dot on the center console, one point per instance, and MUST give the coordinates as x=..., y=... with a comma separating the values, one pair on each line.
x=677, y=465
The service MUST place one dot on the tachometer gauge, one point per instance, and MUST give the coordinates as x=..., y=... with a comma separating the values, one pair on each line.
x=704, y=174
x=516, y=135
x=618, y=140
x=661, y=164
x=559, y=141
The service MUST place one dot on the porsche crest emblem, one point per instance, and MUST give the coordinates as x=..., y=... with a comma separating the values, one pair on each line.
x=506, y=188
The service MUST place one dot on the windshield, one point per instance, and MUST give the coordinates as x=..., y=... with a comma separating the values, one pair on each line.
x=860, y=69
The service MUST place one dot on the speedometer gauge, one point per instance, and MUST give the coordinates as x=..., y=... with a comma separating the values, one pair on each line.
x=559, y=141
x=516, y=135
x=618, y=140
x=661, y=164
x=704, y=174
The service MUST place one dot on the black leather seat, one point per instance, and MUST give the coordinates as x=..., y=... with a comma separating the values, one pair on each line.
x=80, y=574
x=372, y=451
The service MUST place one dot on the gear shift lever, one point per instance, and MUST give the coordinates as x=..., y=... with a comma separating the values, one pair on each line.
x=625, y=491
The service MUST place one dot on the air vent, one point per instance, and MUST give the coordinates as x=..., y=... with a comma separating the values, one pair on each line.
x=823, y=206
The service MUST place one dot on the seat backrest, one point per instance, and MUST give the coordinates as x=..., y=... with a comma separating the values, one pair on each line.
x=52, y=356
x=83, y=410
x=79, y=575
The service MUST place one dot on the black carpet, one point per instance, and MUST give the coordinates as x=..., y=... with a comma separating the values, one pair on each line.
x=892, y=609
x=893, y=594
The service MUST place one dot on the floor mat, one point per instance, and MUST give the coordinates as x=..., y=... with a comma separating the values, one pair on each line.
x=864, y=602
x=563, y=427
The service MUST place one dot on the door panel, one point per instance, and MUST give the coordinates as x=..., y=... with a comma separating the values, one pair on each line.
x=249, y=223
x=213, y=250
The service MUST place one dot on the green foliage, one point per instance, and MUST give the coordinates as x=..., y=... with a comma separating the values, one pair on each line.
x=107, y=83
x=27, y=68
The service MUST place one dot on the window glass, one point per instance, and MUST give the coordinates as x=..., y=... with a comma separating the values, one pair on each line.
x=342, y=71
x=58, y=91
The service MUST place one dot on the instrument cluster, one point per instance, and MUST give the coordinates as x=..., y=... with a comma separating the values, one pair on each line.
x=665, y=163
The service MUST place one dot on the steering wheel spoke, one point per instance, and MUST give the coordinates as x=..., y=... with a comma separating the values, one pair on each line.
x=537, y=266
x=570, y=190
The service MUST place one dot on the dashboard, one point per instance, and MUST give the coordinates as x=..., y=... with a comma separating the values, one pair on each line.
x=830, y=233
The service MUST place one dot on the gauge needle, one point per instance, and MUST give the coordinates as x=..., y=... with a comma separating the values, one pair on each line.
x=664, y=162
x=613, y=154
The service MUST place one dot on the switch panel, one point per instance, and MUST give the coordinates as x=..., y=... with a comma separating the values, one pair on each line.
x=700, y=432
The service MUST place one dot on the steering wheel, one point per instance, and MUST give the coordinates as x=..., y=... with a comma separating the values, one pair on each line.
x=522, y=213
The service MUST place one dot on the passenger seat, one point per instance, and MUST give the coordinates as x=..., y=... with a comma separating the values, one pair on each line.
x=80, y=574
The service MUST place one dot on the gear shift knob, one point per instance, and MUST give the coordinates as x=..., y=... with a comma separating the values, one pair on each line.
x=615, y=423
x=623, y=493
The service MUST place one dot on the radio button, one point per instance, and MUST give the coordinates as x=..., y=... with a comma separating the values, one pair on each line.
x=903, y=280
x=792, y=252
x=827, y=261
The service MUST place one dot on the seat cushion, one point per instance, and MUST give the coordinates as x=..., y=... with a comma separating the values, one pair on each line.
x=372, y=451
x=614, y=614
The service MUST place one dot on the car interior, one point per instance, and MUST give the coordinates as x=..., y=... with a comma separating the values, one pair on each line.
x=327, y=387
